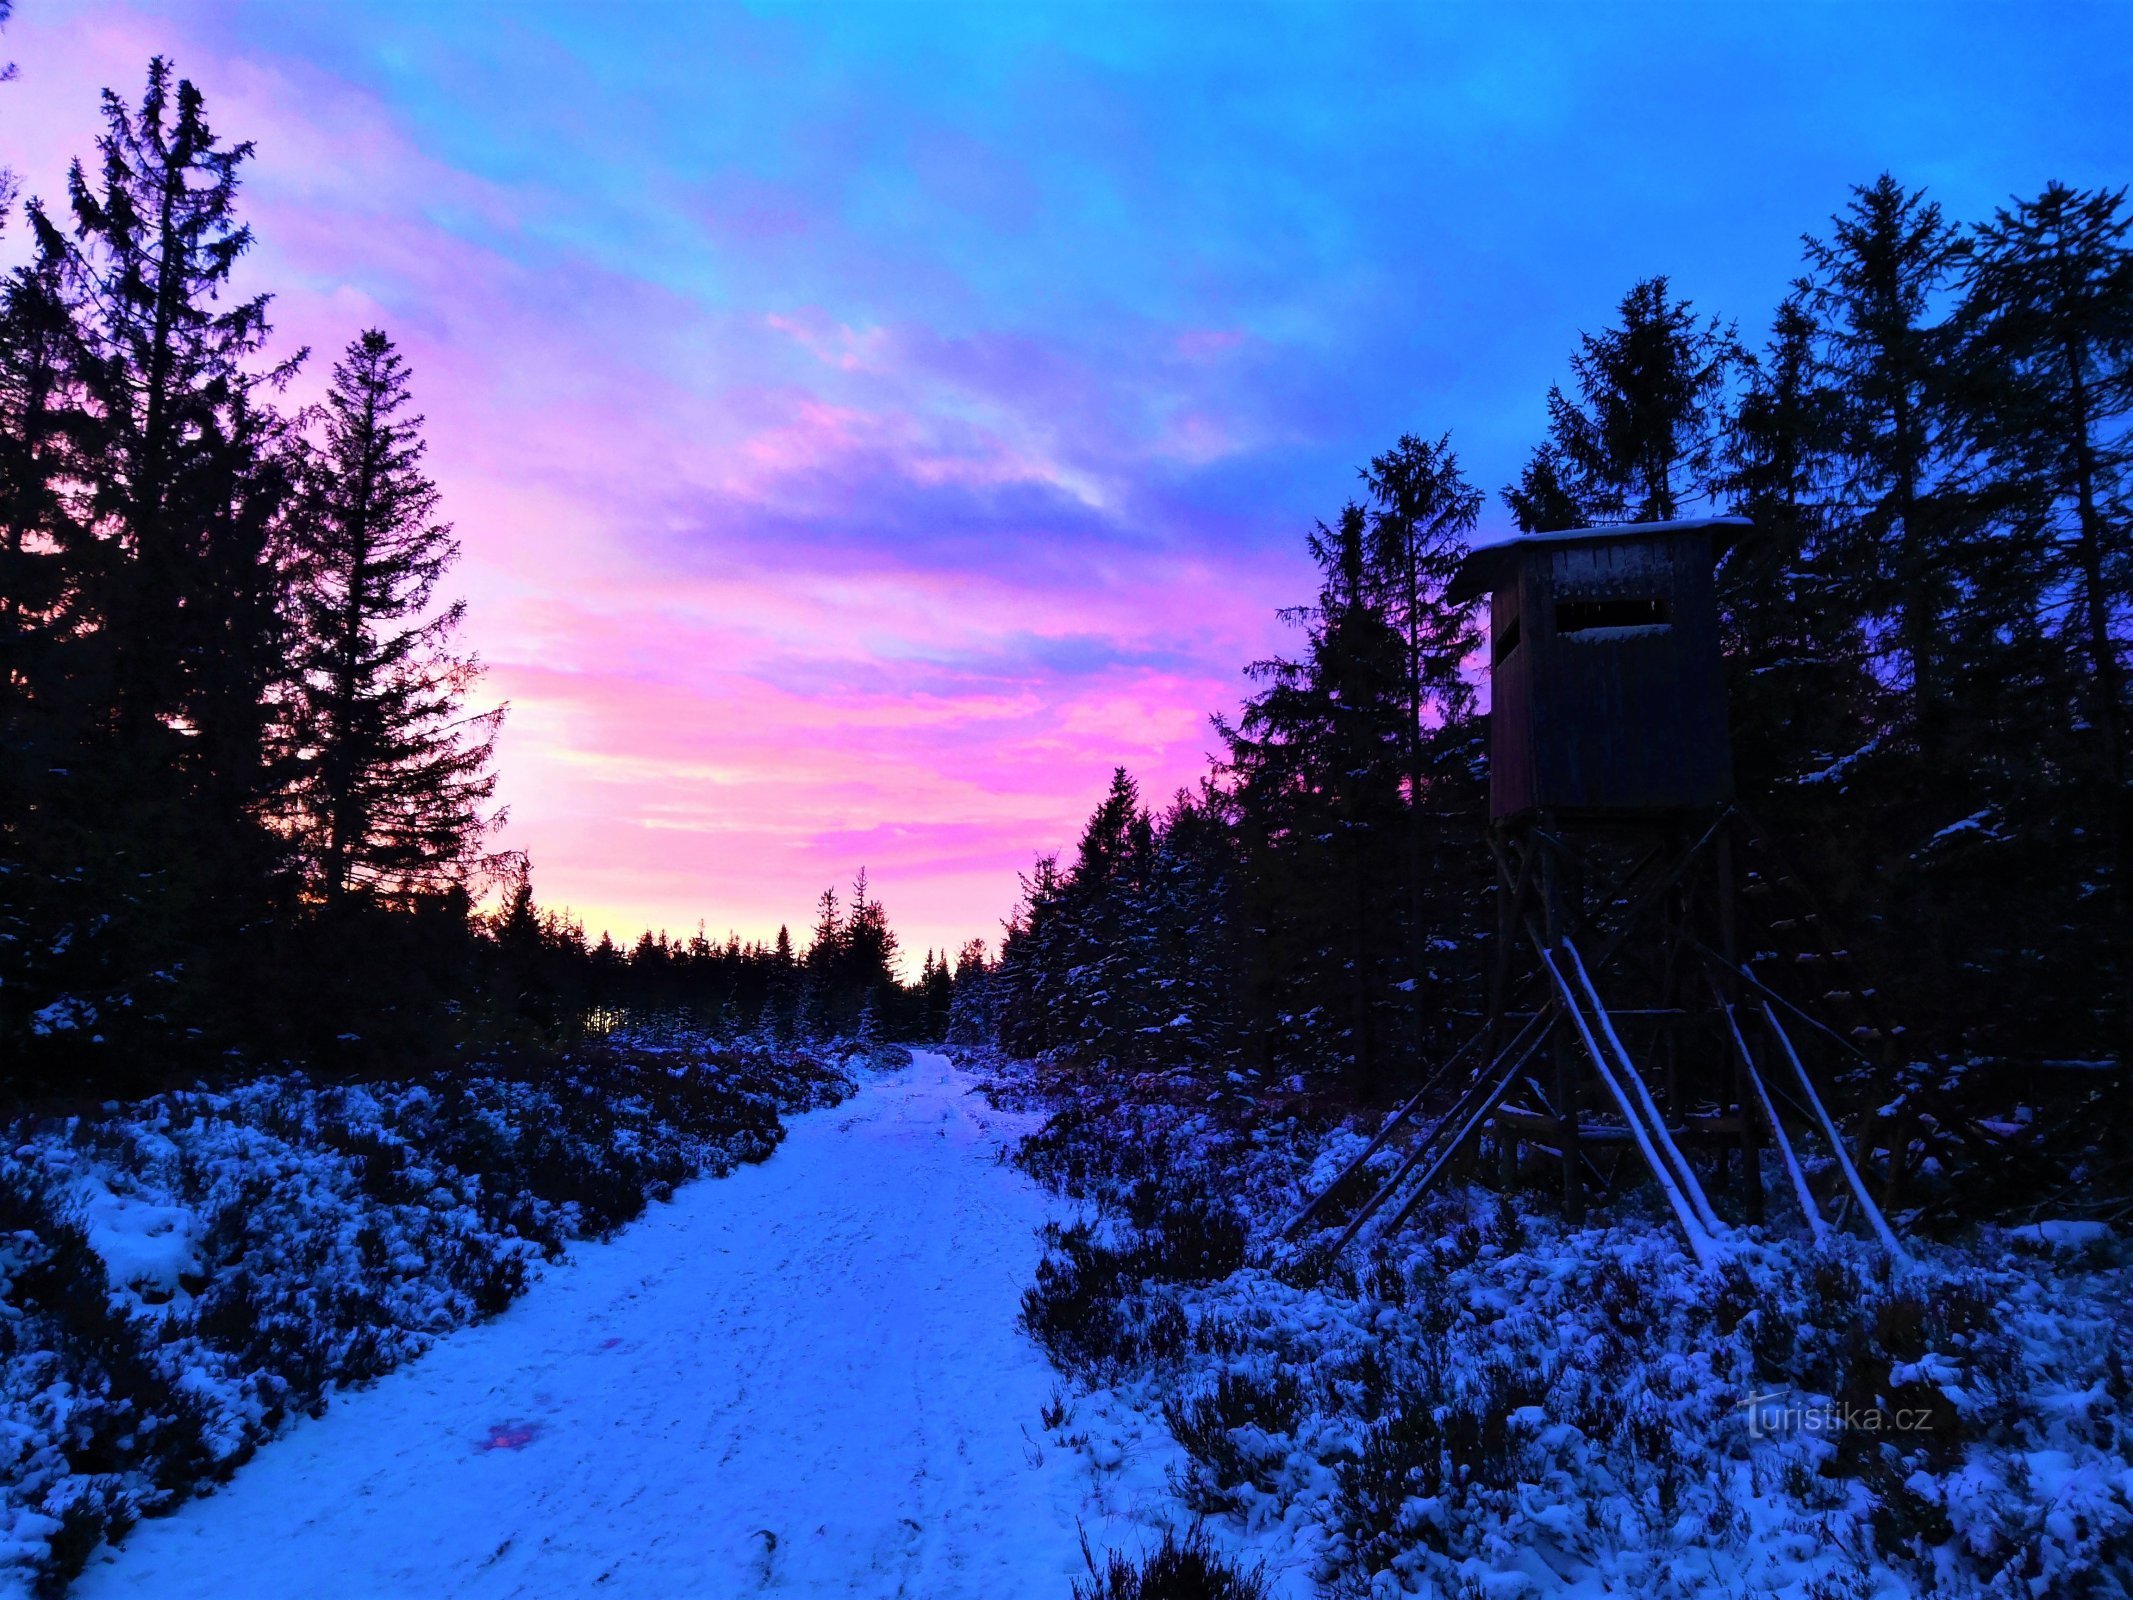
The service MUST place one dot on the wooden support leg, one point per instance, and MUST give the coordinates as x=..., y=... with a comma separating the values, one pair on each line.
x=1567, y=1085
x=1751, y=1148
x=1751, y=1155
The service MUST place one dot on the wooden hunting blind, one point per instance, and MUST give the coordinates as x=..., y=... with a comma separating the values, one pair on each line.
x=1607, y=692
x=1647, y=931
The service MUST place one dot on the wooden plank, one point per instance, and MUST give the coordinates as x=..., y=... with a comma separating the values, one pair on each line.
x=1867, y=1208
x=1701, y=1244
x=1532, y=1124
x=1391, y=1123
x=1529, y=1037
x=1815, y=1224
x=1488, y=1089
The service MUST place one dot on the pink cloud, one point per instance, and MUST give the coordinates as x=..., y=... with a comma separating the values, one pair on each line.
x=834, y=344
x=773, y=593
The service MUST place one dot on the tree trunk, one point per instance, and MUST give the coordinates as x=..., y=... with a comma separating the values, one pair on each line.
x=2108, y=694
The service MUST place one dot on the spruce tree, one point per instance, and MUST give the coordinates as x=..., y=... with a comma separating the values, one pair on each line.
x=171, y=370
x=1423, y=513
x=532, y=958
x=936, y=995
x=781, y=1001
x=183, y=468
x=973, y=1017
x=1639, y=440
x=865, y=970
x=1874, y=286
x=50, y=649
x=1194, y=948
x=1543, y=501
x=821, y=969
x=1795, y=651
x=1945, y=588
x=1095, y=922
x=1029, y=983
x=396, y=773
x=1314, y=774
x=2047, y=327
x=47, y=559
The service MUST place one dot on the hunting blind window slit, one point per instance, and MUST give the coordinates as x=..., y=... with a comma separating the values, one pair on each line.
x=1506, y=640
x=1600, y=616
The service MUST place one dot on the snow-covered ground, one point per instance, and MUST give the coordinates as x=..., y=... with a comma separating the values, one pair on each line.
x=806, y=1376
x=1492, y=1403
x=821, y=1375
x=182, y=1276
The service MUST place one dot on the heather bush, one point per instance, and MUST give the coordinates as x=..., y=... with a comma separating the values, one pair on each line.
x=314, y=1236
x=1178, y=1569
x=1438, y=1404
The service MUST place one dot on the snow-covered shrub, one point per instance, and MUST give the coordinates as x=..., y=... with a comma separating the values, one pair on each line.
x=1097, y=1150
x=1073, y=1307
x=1088, y=1310
x=1236, y=1434
x=1177, y=1569
x=1493, y=1401
x=1187, y=1236
x=1092, y=1305
x=180, y=1276
x=878, y=1055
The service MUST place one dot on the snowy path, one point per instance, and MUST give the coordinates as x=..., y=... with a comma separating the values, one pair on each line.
x=805, y=1377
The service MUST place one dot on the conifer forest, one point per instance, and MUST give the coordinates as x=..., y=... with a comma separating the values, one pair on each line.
x=1320, y=1172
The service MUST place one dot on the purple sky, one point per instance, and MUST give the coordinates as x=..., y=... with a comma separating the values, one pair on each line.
x=867, y=427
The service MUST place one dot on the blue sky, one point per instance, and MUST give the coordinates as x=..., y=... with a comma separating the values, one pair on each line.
x=868, y=424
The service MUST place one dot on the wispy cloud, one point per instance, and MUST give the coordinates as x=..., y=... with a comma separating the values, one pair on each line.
x=866, y=427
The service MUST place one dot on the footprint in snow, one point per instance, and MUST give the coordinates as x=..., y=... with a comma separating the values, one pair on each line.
x=767, y=1559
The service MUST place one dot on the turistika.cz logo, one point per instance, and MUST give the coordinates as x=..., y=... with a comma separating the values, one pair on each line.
x=1781, y=1416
